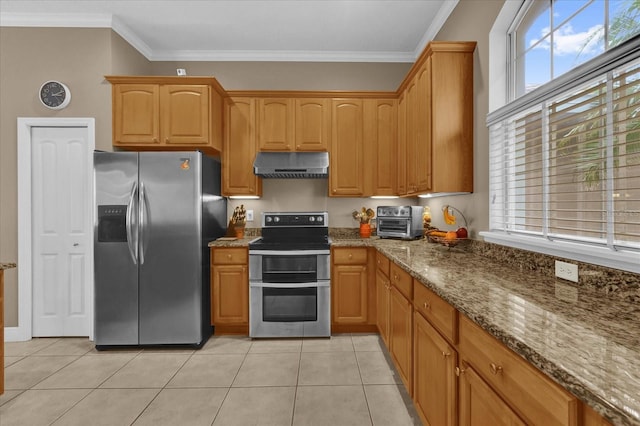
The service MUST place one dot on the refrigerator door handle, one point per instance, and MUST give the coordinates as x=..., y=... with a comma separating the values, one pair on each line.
x=142, y=220
x=133, y=245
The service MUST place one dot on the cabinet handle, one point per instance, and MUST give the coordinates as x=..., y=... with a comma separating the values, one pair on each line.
x=297, y=146
x=426, y=305
x=446, y=354
x=459, y=371
x=350, y=256
x=495, y=369
x=378, y=262
x=229, y=256
x=334, y=191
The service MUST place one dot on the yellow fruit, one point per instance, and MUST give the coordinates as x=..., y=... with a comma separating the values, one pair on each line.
x=451, y=235
x=449, y=218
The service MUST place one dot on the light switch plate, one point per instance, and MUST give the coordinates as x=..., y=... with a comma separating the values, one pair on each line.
x=249, y=215
x=567, y=271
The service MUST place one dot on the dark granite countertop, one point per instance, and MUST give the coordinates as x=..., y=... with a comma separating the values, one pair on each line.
x=7, y=265
x=584, y=340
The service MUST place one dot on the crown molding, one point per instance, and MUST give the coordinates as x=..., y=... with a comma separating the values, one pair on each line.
x=12, y=19
x=280, y=56
x=436, y=25
x=88, y=20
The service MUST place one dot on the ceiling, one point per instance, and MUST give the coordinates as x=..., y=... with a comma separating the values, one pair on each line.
x=250, y=30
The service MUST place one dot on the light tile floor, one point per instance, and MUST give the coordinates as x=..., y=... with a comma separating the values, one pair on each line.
x=345, y=380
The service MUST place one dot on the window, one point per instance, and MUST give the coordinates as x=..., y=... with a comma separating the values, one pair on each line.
x=549, y=38
x=565, y=154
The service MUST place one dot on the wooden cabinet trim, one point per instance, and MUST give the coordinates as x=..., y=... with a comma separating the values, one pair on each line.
x=350, y=256
x=401, y=280
x=440, y=314
x=329, y=94
x=229, y=256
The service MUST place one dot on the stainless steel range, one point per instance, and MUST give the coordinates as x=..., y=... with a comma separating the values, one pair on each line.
x=289, y=276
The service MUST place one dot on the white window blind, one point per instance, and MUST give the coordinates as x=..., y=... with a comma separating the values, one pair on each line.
x=565, y=163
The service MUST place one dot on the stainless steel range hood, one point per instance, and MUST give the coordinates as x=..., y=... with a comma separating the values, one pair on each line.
x=291, y=165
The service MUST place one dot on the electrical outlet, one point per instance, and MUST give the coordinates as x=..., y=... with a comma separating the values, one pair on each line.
x=249, y=215
x=567, y=271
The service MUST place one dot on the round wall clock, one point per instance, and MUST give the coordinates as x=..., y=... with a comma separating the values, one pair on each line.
x=55, y=95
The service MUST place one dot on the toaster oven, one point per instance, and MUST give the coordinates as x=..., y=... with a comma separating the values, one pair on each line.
x=404, y=222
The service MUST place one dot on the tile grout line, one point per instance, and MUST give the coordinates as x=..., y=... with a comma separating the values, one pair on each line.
x=161, y=389
x=226, y=395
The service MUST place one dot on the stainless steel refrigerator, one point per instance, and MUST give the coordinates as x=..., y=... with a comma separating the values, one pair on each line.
x=155, y=215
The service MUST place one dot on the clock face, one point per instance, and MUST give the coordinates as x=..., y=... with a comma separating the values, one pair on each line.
x=55, y=95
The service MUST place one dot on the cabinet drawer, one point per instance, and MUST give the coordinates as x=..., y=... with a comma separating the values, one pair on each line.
x=350, y=256
x=401, y=280
x=533, y=395
x=440, y=314
x=229, y=256
x=382, y=263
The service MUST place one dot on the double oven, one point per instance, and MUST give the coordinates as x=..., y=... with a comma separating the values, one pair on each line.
x=290, y=276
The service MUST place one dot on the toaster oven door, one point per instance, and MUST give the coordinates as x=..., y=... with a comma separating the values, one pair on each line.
x=394, y=227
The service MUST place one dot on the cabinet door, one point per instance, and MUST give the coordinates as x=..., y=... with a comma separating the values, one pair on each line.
x=136, y=114
x=480, y=405
x=275, y=124
x=239, y=150
x=313, y=124
x=184, y=114
x=452, y=119
x=402, y=144
x=401, y=336
x=230, y=295
x=380, y=126
x=411, y=115
x=422, y=141
x=435, y=382
x=349, y=294
x=346, y=157
x=382, y=301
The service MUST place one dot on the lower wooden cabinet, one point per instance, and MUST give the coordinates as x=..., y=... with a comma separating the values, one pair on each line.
x=383, y=287
x=349, y=286
x=400, y=335
x=230, y=290
x=591, y=418
x=532, y=395
x=435, y=385
x=480, y=405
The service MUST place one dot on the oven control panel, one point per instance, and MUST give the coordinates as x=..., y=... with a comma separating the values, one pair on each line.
x=292, y=219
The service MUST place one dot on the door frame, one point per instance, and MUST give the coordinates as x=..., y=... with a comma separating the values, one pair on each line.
x=24, y=330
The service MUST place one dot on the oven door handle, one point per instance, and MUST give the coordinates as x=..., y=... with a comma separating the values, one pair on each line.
x=287, y=252
x=321, y=283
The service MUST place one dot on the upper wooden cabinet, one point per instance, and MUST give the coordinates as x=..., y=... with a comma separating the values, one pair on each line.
x=452, y=117
x=346, y=158
x=275, y=120
x=293, y=124
x=312, y=124
x=167, y=113
x=380, y=135
x=239, y=150
x=435, y=121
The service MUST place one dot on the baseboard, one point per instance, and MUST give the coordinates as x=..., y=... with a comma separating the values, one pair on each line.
x=15, y=334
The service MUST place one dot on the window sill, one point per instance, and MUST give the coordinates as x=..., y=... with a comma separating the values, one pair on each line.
x=624, y=260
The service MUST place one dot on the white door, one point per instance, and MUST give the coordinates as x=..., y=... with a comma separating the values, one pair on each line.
x=61, y=184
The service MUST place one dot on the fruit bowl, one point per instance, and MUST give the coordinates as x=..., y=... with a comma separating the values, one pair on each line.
x=448, y=242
